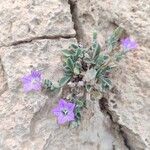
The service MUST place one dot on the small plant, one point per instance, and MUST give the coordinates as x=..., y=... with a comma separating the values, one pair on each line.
x=87, y=71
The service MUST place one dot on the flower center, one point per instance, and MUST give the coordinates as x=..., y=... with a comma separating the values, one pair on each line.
x=34, y=81
x=65, y=112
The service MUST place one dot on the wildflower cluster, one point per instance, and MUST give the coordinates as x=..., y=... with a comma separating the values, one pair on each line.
x=86, y=70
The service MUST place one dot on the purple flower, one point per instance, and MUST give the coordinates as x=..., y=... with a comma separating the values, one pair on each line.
x=128, y=44
x=32, y=82
x=64, y=111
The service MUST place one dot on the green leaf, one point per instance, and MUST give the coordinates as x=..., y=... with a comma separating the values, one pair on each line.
x=55, y=87
x=96, y=50
x=106, y=69
x=106, y=83
x=67, y=53
x=64, y=80
x=99, y=73
x=87, y=58
x=96, y=94
x=88, y=87
x=76, y=70
x=47, y=83
x=101, y=59
x=90, y=74
x=113, y=39
x=70, y=64
x=78, y=113
x=78, y=53
x=68, y=71
x=94, y=36
x=74, y=46
x=80, y=103
x=119, y=56
x=86, y=55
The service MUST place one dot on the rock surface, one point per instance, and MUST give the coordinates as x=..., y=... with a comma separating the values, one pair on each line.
x=129, y=103
x=27, y=122
x=28, y=19
x=33, y=33
x=17, y=108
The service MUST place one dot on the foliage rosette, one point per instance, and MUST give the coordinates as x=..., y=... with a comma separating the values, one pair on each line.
x=87, y=71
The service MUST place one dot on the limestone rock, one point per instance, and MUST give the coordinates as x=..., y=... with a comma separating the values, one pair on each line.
x=3, y=83
x=39, y=30
x=104, y=16
x=27, y=121
x=131, y=97
x=28, y=19
x=94, y=132
x=17, y=109
x=130, y=104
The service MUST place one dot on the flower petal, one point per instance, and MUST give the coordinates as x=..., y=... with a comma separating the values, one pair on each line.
x=27, y=87
x=71, y=106
x=62, y=103
x=62, y=119
x=35, y=74
x=37, y=86
x=128, y=44
x=26, y=79
x=56, y=111
x=71, y=116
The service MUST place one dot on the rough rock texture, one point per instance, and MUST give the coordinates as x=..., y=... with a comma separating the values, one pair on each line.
x=129, y=101
x=3, y=83
x=17, y=108
x=104, y=16
x=94, y=132
x=27, y=122
x=33, y=32
x=28, y=19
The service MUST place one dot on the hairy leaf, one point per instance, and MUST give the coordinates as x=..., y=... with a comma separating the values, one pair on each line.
x=88, y=87
x=94, y=36
x=80, y=103
x=67, y=53
x=76, y=70
x=79, y=53
x=54, y=87
x=90, y=74
x=78, y=113
x=101, y=59
x=96, y=94
x=64, y=80
x=113, y=39
x=107, y=69
x=119, y=56
x=106, y=83
x=47, y=83
x=70, y=64
x=96, y=51
x=74, y=46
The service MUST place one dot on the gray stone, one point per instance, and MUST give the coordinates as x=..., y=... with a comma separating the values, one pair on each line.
x=17, y=109
x=25, y=20
x=132, y=81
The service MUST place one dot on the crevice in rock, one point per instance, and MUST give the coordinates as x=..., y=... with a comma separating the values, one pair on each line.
x=77, y=25
x=52, y=37
x=41, y=115
x=3, y=81
x=103, y=103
